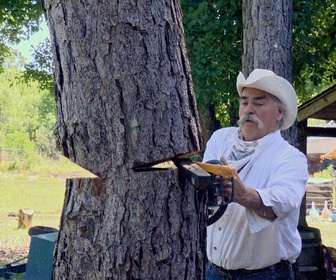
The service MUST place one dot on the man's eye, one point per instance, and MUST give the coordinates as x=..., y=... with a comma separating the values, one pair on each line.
x=259, y=104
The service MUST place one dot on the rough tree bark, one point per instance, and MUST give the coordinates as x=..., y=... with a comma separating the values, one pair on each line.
x=267, y=36
x=267, y=43
x=124, y=97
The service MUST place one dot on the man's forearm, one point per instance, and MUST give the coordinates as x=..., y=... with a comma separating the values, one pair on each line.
x=251, y=199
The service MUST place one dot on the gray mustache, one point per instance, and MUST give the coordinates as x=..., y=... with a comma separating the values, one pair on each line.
x=252, y=118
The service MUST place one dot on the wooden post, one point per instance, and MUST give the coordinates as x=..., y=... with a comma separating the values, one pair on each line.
x=25, y=217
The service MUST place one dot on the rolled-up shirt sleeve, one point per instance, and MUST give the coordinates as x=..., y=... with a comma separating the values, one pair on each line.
x=284, y=189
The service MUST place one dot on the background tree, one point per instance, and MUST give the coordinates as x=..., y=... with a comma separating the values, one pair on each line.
x=267, y=43
x=124, y=98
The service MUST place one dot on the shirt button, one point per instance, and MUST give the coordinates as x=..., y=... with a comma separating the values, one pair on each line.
x=215, y=248
x=219, y=228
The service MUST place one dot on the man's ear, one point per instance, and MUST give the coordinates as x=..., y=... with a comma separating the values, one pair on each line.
x=280, y=113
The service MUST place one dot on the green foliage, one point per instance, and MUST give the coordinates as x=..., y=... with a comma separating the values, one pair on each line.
x=315, y=122
x=17, y=140
x=24, y=160
x=314, y=44
x=213, y=35
x=18, y=20
x=19, y=149
x=40, y=69
x=27, y=117
x=45, y=142
x=325, y=173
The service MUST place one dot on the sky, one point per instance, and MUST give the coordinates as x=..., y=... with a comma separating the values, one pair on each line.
x=25, y=47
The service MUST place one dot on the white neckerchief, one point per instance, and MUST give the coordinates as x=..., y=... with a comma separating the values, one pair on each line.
x=242, y=151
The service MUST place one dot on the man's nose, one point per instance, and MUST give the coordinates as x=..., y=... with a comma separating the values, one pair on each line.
x=249, y=109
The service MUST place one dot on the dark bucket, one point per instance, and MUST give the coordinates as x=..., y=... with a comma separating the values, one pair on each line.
x=40, y=230
x=311, y=260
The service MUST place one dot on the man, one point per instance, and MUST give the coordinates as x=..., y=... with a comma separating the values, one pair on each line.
x=257, y=236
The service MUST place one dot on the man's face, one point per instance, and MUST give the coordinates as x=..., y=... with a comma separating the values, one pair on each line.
x=261, y=105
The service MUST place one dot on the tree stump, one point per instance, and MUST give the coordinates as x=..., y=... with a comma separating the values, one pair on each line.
x=25, y=217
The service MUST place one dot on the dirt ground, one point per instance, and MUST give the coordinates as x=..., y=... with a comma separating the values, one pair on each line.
x=10, y=255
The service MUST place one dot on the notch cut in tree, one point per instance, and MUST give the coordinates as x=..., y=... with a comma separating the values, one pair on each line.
x=125, y=98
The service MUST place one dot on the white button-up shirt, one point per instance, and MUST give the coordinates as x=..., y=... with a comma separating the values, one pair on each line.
x=278, y=171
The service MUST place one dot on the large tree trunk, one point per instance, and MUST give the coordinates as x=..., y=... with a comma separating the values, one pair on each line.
x=124, y=96
x=267, y=44
x=267, y=36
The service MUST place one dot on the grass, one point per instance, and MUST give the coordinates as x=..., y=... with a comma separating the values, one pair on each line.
x=327, y=229
x=41, y=190
x=43, y=195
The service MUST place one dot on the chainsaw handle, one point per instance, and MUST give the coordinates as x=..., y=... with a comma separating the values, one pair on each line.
x=213, y=196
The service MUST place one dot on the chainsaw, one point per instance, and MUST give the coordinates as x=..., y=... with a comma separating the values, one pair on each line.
x=207, y=176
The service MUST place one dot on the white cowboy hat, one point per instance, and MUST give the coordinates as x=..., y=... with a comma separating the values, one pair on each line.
x=268, y=81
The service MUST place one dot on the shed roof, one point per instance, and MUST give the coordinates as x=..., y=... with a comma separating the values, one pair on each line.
x=322, y=106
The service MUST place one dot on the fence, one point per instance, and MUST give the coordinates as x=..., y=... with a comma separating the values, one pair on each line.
x=319, y=190
x=11, y=154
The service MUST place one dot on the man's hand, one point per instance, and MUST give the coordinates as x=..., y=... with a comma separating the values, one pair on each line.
x=248, y=198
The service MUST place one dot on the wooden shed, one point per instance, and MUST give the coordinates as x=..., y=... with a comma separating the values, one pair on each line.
x=319, y=190
x=323, y=107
